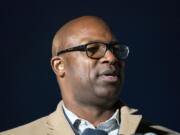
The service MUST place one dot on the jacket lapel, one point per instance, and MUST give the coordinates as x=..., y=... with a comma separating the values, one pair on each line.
x=57, y=123
x=129, y=121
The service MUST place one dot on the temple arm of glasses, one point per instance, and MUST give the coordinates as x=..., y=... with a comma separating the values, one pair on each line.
x=77, y=48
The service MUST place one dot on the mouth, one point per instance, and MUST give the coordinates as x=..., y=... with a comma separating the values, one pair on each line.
x=110, y=76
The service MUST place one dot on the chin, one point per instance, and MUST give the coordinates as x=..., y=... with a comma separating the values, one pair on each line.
x=108, y=94
x=107, y=103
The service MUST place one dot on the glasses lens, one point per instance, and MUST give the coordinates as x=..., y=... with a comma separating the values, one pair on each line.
x=121, y=51
x=96, y=50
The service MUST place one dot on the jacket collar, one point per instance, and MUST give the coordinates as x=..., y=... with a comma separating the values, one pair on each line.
x=57, y=123
x=129, y=121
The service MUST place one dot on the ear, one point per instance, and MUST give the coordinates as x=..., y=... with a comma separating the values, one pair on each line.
x=57, y=64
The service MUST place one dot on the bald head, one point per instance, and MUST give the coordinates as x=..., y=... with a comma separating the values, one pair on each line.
x=76, y=26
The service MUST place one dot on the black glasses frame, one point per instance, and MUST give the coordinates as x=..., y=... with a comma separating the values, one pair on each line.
x=84, y=48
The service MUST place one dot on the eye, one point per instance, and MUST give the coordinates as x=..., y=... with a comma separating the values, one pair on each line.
x=93, y=48
x=116, y=47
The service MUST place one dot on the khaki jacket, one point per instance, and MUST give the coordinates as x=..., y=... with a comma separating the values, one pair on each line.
x=56, y=124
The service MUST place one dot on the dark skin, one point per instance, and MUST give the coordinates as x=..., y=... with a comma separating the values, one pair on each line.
x=85, y=89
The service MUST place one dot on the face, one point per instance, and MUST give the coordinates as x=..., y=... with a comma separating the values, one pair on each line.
x=93, y=81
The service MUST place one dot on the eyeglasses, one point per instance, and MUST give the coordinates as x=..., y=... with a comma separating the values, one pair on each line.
x=97, y=50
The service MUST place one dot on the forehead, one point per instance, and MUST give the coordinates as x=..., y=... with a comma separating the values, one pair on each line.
x=91, y=31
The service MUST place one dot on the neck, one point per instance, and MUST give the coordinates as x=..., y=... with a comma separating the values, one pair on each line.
x=93, y=114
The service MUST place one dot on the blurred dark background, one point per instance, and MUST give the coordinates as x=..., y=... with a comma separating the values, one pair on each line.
x=28, y=88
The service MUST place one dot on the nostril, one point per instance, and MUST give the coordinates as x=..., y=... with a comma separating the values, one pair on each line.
x=109, y=57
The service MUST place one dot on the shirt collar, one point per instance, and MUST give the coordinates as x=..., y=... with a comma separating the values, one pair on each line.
x=73, y=117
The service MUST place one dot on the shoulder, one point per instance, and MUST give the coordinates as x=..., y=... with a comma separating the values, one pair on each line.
x=146, y=126
x=37, y=127
x=54, y=122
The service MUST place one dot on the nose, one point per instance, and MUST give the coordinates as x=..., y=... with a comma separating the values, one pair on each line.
x=108, y=58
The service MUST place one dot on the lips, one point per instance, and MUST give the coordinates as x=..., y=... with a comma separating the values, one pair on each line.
x=110, y=75
x=110, y=78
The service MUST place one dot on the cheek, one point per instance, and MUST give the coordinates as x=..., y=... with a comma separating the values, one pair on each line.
x=80, y=68
x=92, y=71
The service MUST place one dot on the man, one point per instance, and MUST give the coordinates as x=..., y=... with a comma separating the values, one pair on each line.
x=89, y=65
